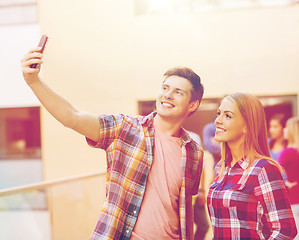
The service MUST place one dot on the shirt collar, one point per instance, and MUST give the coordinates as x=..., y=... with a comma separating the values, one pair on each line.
x=185, y=136
x=243, y=163
x=149, y=120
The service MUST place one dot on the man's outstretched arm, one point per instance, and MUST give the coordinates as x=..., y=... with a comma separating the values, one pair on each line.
x=84, y=123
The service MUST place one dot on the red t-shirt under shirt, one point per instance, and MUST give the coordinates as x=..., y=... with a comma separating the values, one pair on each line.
x=159, y=214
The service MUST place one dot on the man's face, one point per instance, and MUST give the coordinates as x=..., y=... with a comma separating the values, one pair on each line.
x=174, y=98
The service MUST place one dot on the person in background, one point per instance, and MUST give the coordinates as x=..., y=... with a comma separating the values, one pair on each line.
x=289, y=160
x=277, y=142
x=153, y=166
x=248, y=198
x=201, y=219
x=210, y=143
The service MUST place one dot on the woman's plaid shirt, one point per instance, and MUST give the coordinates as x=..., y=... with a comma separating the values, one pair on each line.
x=250, y=204
x=129, y=145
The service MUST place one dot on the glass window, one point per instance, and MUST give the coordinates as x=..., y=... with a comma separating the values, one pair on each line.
x=18, y=12
x=20, y=128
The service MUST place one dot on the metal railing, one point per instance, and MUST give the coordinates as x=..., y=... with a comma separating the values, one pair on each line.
x=64, y=208
x=46, y=184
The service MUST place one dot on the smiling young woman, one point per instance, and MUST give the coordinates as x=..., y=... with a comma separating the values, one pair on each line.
x=247, y=199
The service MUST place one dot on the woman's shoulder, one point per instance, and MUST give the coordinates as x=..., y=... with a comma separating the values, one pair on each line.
x=268, y=169
x=262, y=162
x=266, y=164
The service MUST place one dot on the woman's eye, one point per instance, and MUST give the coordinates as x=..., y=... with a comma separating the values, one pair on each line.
x=228, y=116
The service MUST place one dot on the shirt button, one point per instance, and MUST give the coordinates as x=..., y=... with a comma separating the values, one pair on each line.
x=128, y=231
x=135, y=212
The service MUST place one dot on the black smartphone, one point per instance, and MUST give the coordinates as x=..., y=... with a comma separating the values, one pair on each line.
x=42, y=44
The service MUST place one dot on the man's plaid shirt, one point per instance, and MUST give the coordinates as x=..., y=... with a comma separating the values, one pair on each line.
x=250, y=204
x=129, y=145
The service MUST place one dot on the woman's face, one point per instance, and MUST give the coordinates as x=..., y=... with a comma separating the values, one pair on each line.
x=230, y=125
x=275, y=129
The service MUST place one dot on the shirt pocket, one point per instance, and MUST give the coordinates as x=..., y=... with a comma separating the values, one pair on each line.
x=234, y=197
x=212, y=194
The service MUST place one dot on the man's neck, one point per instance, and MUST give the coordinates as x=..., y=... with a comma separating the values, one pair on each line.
x=168, y=126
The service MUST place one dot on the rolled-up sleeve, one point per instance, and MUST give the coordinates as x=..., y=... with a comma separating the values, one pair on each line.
x=109, y=128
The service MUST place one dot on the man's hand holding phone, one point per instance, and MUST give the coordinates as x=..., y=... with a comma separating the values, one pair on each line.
x=41, y=45
x=32, y=61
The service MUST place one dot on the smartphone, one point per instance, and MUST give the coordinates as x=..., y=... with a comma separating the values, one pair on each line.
x=42, y=44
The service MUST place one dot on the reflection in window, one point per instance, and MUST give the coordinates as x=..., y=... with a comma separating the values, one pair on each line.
x=20, y=133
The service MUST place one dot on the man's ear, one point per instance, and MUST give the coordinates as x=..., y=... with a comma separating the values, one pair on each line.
x=193, y=106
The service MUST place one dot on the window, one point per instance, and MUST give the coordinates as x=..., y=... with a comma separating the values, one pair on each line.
x=20, y=133
x=18, y=12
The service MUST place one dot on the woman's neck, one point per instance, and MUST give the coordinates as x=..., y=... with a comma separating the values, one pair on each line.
x=237, y=152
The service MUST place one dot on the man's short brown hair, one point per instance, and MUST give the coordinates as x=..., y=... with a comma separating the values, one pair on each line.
x=187, y=73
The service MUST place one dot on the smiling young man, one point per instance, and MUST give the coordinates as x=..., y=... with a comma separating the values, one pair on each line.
x=153, y=166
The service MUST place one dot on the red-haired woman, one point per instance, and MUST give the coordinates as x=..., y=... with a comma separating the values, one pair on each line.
x=247, y=199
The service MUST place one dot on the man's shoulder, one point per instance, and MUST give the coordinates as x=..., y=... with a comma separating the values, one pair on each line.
x=122, y=117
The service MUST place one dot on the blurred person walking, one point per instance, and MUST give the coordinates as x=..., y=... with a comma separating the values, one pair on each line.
x=201, y=219
x=210, y=143
x=289, y=160
x=277, y=142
